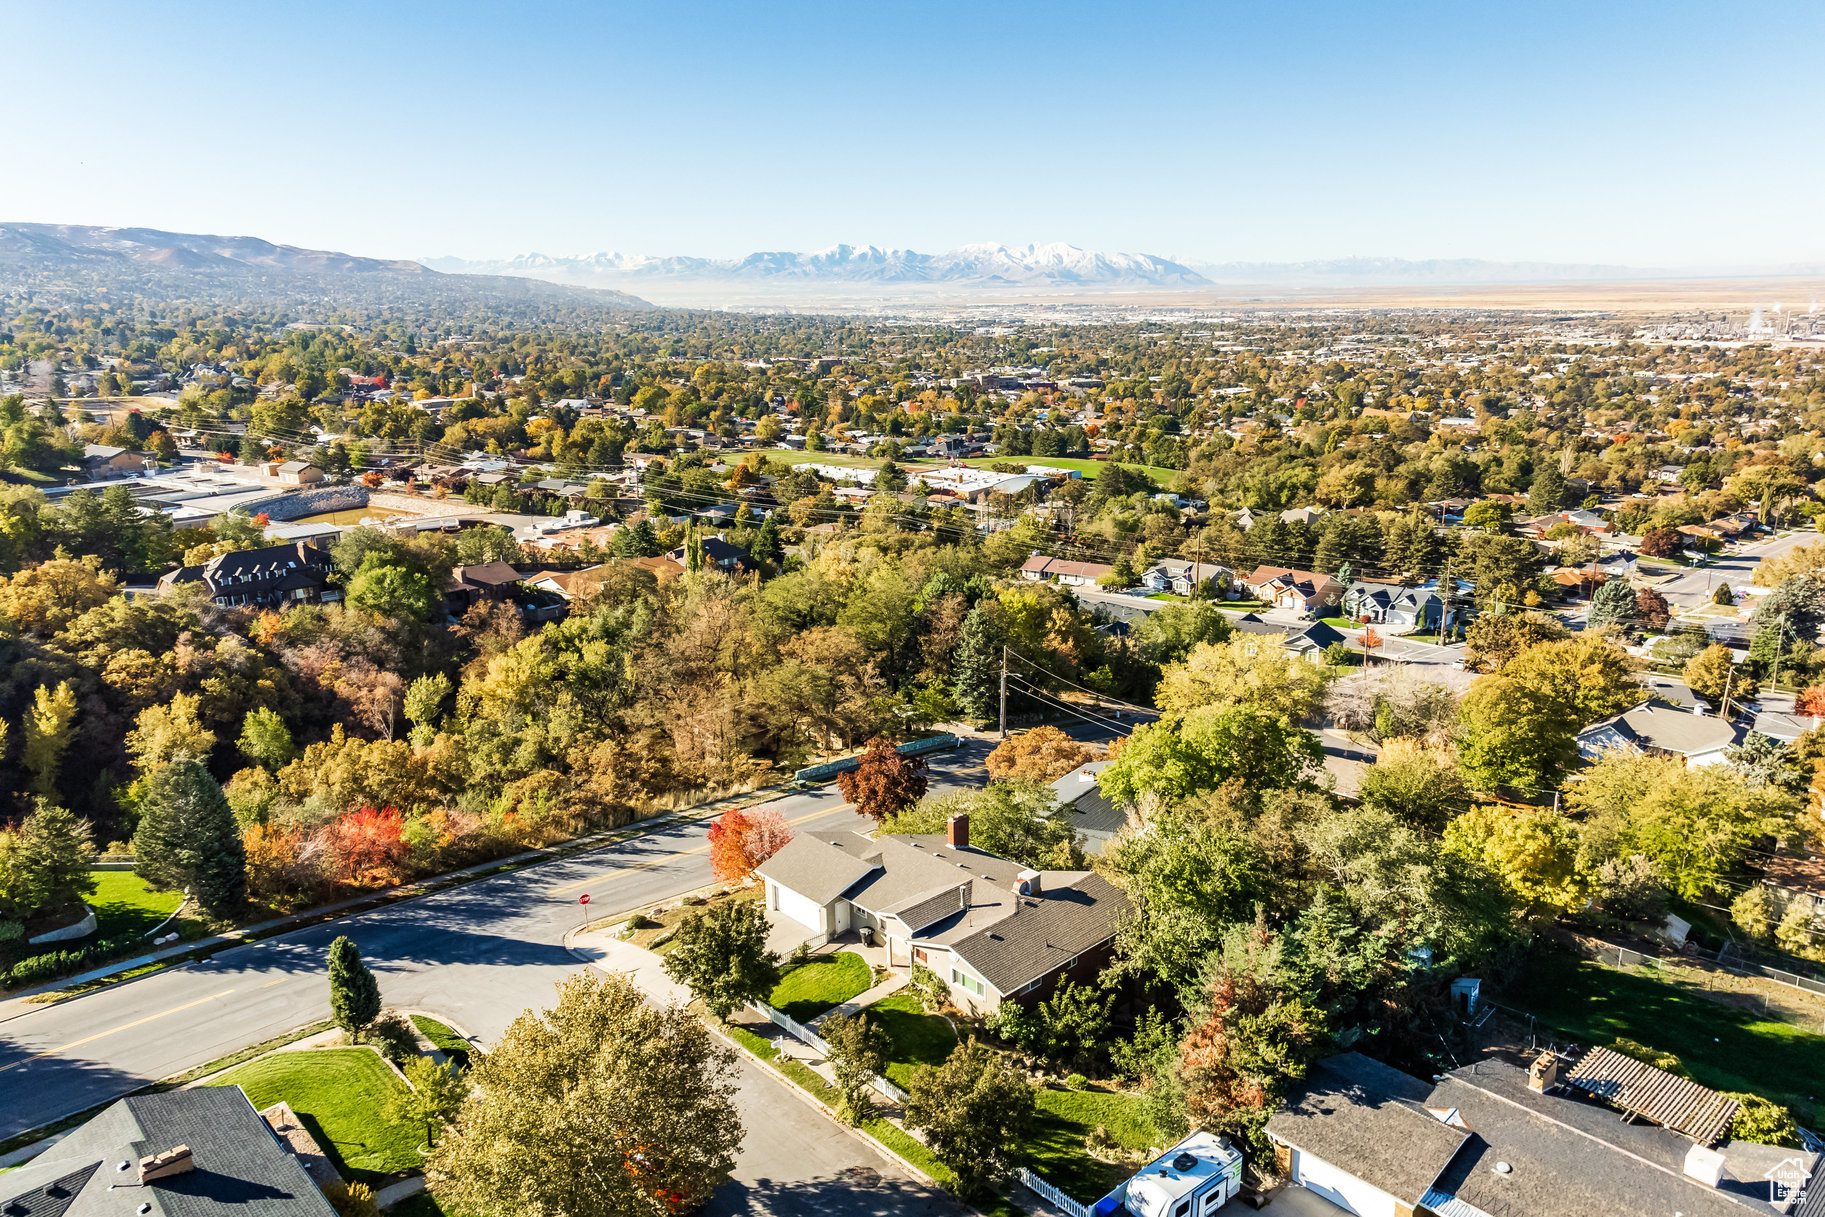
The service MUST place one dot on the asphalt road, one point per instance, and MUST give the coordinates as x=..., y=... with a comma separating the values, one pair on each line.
x=477, y=955
x=1693, y=589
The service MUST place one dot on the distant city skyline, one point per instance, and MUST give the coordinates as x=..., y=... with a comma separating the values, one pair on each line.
x=1672, y=135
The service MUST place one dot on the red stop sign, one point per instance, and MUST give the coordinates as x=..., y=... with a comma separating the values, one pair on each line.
x=583, y=899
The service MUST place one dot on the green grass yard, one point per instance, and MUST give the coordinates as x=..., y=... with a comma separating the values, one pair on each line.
x=125, y=907
x=1722, y=1046
x=339, y=1093
x=1066, y=1117
x=454, y=1047
x=918, y=1038
x=821, y=983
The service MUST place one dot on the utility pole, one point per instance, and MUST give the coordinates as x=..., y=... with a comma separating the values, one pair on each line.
x=1780, y=639
x=1004, y=691
x=1728, y=681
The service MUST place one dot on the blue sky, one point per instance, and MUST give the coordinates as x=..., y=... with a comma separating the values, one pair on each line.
x=1641, y=134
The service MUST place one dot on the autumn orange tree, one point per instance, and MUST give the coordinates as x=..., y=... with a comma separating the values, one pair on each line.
x=368, y=847
x=1810, y=702
x=1043, y=754
x=884, y=780
x=742, y=838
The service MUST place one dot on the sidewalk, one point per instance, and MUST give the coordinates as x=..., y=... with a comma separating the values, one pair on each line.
x=24, y=1002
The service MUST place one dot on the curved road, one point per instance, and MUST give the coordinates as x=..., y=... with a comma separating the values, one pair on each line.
x=478, y=954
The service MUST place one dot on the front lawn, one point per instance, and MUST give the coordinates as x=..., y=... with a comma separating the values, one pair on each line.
x=454, y=1047
x=1066, y=1117
x=338, y=1093
x=126, y=908
x=821, y=983
x=918, y=1038
x=1722, y=1046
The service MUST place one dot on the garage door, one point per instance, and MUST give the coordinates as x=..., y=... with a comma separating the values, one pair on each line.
x=1343, y=1190
x=807, y=913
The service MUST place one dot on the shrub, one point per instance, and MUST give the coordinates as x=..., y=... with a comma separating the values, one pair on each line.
x=1650, y=1056
x=1763, y=1122
x=394, y=1035
x=353, y=1200
x=1077, y=1081
x=933, y=992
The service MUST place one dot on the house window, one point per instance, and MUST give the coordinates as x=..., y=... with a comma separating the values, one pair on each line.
x=967, y=981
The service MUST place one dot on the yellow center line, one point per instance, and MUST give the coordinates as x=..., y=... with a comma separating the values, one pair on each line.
x=269, y=984
x=111, y=1030
x=650, y=863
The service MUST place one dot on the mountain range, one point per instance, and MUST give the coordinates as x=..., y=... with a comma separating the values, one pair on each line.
x=990, y=266
x=76, y=261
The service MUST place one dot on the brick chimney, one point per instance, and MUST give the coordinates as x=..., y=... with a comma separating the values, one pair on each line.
x=957, y=831
x=1543, y=1074
x=174, y=1161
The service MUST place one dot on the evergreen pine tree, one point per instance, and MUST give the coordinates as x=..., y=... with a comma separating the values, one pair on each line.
x=354, y=995
x=977, y=669
x=1547, y=493
x=766, y=543
x=188, y=838
x=1613, y=604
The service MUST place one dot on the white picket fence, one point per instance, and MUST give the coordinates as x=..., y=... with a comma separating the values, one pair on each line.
x=806, y=1035
x=1046, y=1191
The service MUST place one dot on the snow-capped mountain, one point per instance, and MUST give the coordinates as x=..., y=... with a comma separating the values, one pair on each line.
x=970, y=266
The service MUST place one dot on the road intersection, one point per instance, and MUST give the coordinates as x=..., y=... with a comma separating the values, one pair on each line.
x=478, y=955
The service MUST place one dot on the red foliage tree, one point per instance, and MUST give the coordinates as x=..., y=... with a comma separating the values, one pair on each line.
x=1810, y=702
x=367, y=847
x=883, y=781
x=742, y=839
x=1652, y=608
x=1662, y=542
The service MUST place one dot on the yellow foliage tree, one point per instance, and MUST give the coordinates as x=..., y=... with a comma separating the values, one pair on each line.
x=47, y=734
x=163, y=733
x=1246, y=670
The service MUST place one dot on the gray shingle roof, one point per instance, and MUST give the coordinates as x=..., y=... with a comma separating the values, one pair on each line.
x=1366, y=1118
x=241, y=1169
x=1039, y=935
x=821, y=866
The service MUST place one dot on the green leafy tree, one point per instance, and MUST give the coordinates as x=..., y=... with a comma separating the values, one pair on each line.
x=858, y=1054
x=392, y=593
x=1186, y=879
x=1176, y=758
x=1417, y=785
x=1018, y=820
x=1754, y=912
x=1712, y=673
x=1514, y=735
x=188, y=838
x=603, y=1106
x=354, y=993
x=721, y=955
x=425, y=698
x=436, y=1093
x=1547, y=493
x=1762, y=1121
x=266, y=740
x=975, y=1113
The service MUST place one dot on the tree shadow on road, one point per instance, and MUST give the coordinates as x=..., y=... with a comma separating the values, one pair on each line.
x=858, y=1192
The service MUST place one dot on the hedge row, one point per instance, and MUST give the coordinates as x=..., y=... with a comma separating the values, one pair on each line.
x=36, y=969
